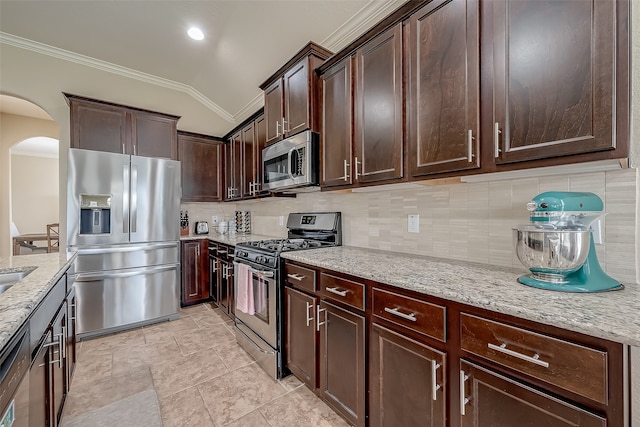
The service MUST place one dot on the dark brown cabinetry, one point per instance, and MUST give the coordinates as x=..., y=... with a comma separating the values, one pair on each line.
x=491, y=399
x=337, y=119
x=554, y=77
x=378, y=106
x=102, y=126
x=195, y=271
x=291, y=95
x=201, y=167
x=224, y=297
x=300, y=335
x=244, y=160
x=233, y=167
x=407, y=381
x=444, y=87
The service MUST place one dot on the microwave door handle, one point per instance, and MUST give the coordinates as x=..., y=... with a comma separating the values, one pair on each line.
x=290, y=156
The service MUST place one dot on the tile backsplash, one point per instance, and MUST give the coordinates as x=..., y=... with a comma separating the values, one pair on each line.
x=464, y=221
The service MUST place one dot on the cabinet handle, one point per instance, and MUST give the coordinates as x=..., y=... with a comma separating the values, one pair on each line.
x=251, y=188
x=134, y=149
x=396, y=312
x=296, y=277
x=64, y=341
x=309, y=319
x=434, y=383
x=463, y=400
x=224, y=272
x=496, y=140
x=278, y=128
x=283, y=127
x=123, y=149
x=470, y=139
x=346, y=175
x=357, y=173
x=337, y=292
x=318, y=322
x=220, y=251
x=533, y=359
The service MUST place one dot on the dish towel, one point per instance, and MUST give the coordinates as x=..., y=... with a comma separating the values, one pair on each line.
x=261, y=295
x=244, y=289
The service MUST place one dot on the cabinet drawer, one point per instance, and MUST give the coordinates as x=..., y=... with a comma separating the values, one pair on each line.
x=423, y=317
x=570, y=366
x=343, y=290
x=300, y=277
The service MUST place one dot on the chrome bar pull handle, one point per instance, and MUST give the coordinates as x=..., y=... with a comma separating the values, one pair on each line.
x=337, y=292
x=309, y=318
x=535, y=359
x=134, y=199
x=346, y=165
x=123, y=149
x=284, y=129
x=463, y=400
x=357, y=173
x=470, y=139
x=434, y=381
x=396, y=312
x=296, y=277
x=125, y=197
x=496, y=140
x=278, y=128
x=318, y=322
x=262, y=273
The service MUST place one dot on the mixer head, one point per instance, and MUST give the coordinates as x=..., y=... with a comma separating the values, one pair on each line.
x=565, y=209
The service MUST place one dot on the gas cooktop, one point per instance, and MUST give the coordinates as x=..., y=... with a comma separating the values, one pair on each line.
x=283, y=245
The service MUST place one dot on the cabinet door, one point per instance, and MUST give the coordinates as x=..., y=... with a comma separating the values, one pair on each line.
x=444, y=87
x=337, y=118
x=40, y=386
x=213, y=278
x=554, y=87
x=248, y=160
x=273, y=114
x=342, y=361
x=71, y=355
x=99, y=127
x=195, y=280
x=153, y=135
x=297, y=108
x=300, y=321
x=57, y=362
x=201, y=168
x=225, y=287
x=406, y=381
x=378, y=108
x=493, y=400
x=260, y=143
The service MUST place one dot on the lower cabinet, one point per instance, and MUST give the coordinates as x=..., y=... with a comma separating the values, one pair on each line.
x=300, y=335
x=342, y=361
x=407, y=384
x=195, y=271
x=490, y=399
x=224, y=282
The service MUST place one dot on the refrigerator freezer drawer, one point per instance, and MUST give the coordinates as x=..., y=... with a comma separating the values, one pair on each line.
x=127, y=256
x=115, y=300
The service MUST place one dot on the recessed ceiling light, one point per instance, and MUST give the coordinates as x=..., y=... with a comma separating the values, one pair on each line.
x=195, y=33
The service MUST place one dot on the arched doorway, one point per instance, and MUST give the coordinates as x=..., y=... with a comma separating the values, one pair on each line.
x=26, y=176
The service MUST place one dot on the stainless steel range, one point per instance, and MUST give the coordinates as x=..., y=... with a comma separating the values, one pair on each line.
x=259, y=286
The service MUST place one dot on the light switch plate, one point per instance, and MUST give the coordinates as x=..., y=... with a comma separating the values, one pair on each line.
x=413, y=224
x=281, y=219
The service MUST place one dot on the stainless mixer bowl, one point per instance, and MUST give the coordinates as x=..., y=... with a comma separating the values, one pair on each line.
x=551, y=251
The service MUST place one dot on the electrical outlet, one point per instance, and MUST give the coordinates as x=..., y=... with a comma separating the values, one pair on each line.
x=413, y=224
x=214, y=219
x=281, y=220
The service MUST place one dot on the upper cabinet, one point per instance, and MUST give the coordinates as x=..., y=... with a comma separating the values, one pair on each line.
x=201, y=161
x=554, y=77
x=102, y=126
x=378, y=104
x=443, y=92
x=291, y=95
x=233, y=167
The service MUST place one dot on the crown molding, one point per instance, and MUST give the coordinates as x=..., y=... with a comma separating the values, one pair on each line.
x=65, y=55
x=372, y=13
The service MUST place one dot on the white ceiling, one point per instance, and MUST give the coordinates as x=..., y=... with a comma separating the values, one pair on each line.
x=145, y=41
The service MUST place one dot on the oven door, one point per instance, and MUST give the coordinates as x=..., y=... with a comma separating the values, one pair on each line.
x=260, y=311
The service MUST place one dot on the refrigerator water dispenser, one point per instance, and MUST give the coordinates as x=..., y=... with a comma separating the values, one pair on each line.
x=95, y=213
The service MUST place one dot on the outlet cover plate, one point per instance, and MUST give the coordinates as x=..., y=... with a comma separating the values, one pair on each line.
x=413, y=224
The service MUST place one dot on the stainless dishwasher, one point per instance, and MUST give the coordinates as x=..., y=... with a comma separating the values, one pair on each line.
x=14, y=380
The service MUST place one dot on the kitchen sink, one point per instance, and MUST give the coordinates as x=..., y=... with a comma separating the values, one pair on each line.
x=8, y=279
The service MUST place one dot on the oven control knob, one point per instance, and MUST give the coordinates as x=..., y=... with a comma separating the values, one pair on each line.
x=259, y=259
x=242, y=254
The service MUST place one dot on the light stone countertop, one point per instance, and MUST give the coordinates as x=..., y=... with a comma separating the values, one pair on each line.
x=228, y=239
x=19, y=301
x=611, y=315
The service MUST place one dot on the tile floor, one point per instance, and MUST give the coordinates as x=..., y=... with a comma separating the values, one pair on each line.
x=200, y=375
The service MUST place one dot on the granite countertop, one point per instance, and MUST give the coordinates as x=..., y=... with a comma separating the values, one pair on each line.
x=229, y=239
x=611, y=315
x=19, y=301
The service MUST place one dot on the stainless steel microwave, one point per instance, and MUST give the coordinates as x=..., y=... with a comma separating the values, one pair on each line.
x=292, y=165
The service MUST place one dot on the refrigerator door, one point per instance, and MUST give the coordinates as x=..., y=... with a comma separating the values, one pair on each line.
x=109, y=301
x=155, y=200
x=97, y=179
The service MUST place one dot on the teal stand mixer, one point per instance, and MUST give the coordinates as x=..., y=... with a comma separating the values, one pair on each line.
x=558, y=244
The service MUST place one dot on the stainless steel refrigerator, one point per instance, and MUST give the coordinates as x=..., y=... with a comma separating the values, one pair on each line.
x=122, y=219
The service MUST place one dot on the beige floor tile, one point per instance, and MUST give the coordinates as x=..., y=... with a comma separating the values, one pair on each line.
x=144, y=356
x=184, y=408
x=172, y=377
x=194, y=341
x=252, y=419
x=92, y=369
x=85, y=398
x=290, y=382
x=111, y=343
x=233, y=355
x=187, y=311
x=300, y=408
x=238, y=393
x=207, y=318
x=168, y=330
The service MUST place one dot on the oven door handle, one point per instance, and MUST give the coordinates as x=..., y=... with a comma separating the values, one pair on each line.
x=262, y=273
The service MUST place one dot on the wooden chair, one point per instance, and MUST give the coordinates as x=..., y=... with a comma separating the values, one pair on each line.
x=53, y=237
